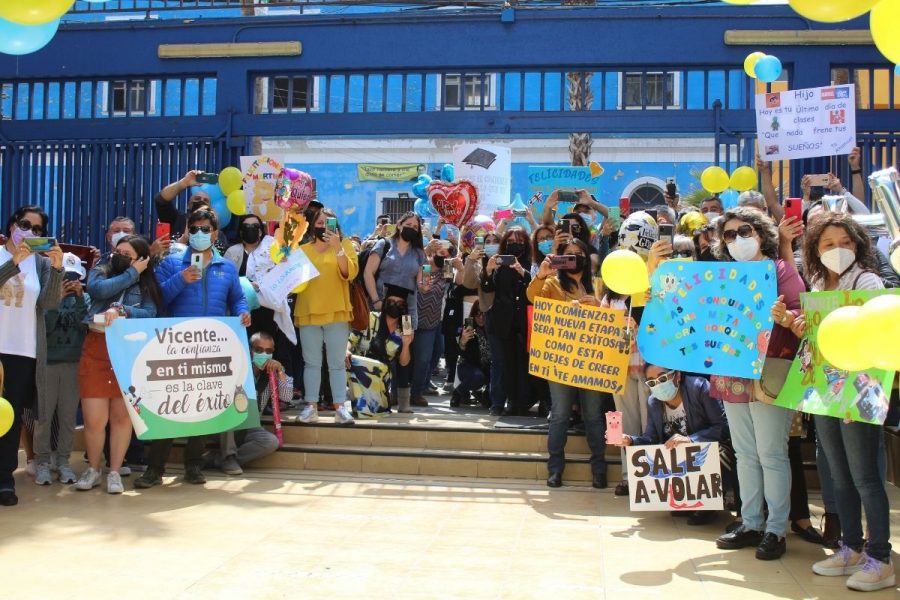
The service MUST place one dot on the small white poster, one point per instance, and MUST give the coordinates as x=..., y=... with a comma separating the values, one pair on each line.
x=489, y=169
x=260, y=176
x=287, y=275
x=806, y=123
x=686, y=477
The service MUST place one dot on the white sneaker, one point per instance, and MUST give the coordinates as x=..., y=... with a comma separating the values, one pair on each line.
x=66, y=474
x=88, y=480
x=843, y=562
x=114, y=483
x=125, y=471
x=42, y=474
x=874, y=575
x=342, y=416
x=30, y=467
x=309, y=414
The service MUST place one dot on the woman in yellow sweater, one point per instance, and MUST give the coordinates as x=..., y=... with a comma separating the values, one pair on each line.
x=323, y=313
x=572, y=285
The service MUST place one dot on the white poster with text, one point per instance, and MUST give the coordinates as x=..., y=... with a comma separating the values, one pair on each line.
x=686, y=477
x=489, y=169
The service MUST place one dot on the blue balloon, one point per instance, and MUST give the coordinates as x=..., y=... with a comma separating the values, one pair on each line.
x=18, y=39
x=447, y=172
x=420, y=187
x=897, y=70
x=768, y=68
x=421, y=207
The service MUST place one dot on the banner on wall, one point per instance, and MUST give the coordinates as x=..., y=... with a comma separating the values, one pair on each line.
x=386, y=172
x=260, y=174
x=686, y=477
x=489, y=169
x=806, y=123
x=813, y=386
x=547, y=179
x=712, y=318
x=579, y=345
x=184, y=377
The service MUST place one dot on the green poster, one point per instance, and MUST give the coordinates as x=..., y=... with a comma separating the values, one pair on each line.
x=813, y=386
x=386, y=172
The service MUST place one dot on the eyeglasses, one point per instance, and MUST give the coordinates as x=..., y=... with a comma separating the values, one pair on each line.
x=259, y=350
x=204, y=228
x=25, y=225
x=745, y=231
x=668, y=376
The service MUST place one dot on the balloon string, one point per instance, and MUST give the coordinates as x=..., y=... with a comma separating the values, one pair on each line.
x=628, y=322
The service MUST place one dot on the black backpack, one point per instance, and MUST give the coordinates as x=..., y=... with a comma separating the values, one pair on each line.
x=363, y=258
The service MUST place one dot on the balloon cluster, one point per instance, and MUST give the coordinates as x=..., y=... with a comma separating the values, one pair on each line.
x=26, y=26
x=855, y=338
x=764, y=67
x=715, y=179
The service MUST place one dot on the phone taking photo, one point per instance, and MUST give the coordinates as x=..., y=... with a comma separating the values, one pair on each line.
x=567, y=196
x=505, y=260
x=163, y=230
x=667, y=233
x=793, y=207
x=40, y=244
x=208, y=178
x=197, y=261
x=818, y=180
x=671, y=187
x=469, y=323
x=331, y=224
x=406, y=324
x=565, y=225
x=563, y=262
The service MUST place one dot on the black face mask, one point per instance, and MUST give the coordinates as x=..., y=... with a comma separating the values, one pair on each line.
x=250, y=234
x=580, y=262
x=515, y=248
x=119, y=264
x=395, y=310
x=409, y=234
x=707, y=256
x=319, y=232
x=439, y=262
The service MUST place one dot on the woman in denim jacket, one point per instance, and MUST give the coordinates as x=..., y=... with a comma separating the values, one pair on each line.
x=122, y=288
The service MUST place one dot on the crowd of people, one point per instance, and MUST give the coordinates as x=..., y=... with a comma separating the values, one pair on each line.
x=366, y=337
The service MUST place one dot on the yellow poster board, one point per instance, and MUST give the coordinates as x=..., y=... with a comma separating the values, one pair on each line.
x=579, y=345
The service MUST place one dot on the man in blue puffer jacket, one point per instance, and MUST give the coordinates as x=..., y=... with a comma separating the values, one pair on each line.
x=199, y=283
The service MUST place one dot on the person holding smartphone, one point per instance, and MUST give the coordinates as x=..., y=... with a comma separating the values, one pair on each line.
x=474, y=366
x=30, y=284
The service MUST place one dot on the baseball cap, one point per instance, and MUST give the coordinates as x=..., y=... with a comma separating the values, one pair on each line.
x=72, y=264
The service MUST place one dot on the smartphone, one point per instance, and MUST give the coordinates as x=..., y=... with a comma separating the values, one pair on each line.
x=70, y=276
x=793, y=207
x=406, y=322
x=271, y=227
x=614, y=427
x=469, y=323
x=40, y=244
x=505, y=260
x=563, y=261
x=624, y=206
x=667, y=232
x=197, y=261
x=163, y=230
x=331, y=224
x=671, y=187
x=653, y=213
x=448, y=270
x=820, y=180
x=504, y=214
x=426, y=269
x=567, y=196
x=565, y=226
x=479, y=241
x=315, y=189
x=382, y=220
x=208, y=178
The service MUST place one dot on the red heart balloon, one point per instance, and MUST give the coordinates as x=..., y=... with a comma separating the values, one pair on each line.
x=456, y=202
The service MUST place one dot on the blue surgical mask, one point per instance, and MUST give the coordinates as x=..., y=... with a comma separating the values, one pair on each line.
x=260, y=359
x=200, y=241
x=491, y=249
x=588, y=219
x=664, y=392
x=545, y=247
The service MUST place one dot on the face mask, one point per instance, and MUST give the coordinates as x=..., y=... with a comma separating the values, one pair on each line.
x=515, y=248
x=116, y=237
x=395, y=310
x=712, y=215
x=409, y=234
x=579, y=265
x=439, y=261
x=664, y=392
x=119, y=264
x=249, y=234
x=319, y=233
x=545, y=247
x=743, y=248
x=18, y=235
x=260, y=359
x=200, y=241
x=707, y=256
x=491, y=249
x=588, y=218
x=838, y=260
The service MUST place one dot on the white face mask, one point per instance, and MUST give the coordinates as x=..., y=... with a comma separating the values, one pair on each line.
x=743, y=248
x=712, y=215
x=114, y=239
x=838, y=260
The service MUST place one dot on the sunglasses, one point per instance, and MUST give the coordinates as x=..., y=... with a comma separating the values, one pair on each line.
x=204, y=228
x=745, y=231
x=668, y=376
x=259, y=350
x=25, y=225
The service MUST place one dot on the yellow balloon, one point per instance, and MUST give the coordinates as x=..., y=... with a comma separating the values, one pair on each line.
x=881, y=330
x=750, y=62
x=714, y=179
x=832, y=11
x=6, y=416
x=624, y=272
x=34, y=12
x=230, y=180
x=841, y=340
x=300, y=288
x=743, y=179
x=236, y=203
x=883, y=22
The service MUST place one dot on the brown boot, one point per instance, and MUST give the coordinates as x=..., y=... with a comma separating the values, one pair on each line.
x=831, y=532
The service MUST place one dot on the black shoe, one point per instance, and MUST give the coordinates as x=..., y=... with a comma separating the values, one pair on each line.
x=496, y=411
x=599, y=481
x=456, y=398
x=8, y=498
x=554, y=480
x=772, y=547
x=621, y=489
x=734, y=526
x=150, y=478
x=742, y=538
x=702, y=517
x=194, y=475
x=810, y=534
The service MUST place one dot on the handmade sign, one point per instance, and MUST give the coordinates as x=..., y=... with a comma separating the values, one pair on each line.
x=806, y=123
x=456, y=202
x=813, y=386
x=712, y=318
x=489, y=168
x=386, y=172
x=687, y=477
x=261, y=176
x=579, y=345
x=546, y=179
x=184, y=377
x=291, y=272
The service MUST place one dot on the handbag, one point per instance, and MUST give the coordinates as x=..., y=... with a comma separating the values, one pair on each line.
x=774, y=374
x=360, y=304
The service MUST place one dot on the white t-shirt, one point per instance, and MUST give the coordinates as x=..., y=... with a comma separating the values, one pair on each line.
x=676, y=422
x=18, y=297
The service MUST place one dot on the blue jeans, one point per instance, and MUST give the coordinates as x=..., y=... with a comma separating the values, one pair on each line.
x=853, y=451
x=825, y=481
x=471, y=378
x=759, y=433
x=562, y=397
x=335, y=336
x=422, y=350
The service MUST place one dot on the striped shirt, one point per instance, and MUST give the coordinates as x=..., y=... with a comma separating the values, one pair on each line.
x=431, y=303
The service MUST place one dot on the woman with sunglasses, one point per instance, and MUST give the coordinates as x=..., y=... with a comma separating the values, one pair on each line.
x=123, y=288
x=759, y=431
x=29, y=284
x=573, y=284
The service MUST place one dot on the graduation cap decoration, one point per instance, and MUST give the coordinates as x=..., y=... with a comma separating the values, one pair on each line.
x=481, y=158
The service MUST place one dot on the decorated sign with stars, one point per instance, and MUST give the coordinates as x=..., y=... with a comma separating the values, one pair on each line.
x=711, y=318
